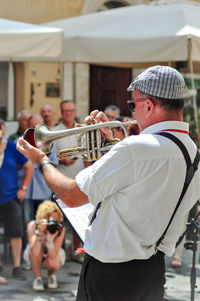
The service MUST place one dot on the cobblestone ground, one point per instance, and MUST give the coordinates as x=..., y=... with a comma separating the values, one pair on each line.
x=16, y=290
x=177, y=285
x=178, y=279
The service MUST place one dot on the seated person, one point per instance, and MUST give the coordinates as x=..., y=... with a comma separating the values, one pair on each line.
x=45, y=239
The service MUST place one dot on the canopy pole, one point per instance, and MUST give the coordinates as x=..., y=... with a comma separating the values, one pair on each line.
x=10, y=103
x=193, y=86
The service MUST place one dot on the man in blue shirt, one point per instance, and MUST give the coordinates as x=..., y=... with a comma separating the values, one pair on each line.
x=11, y=196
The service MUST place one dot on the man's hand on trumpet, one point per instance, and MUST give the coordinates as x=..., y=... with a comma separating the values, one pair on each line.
x=32, y=153
x=66, y=161
x=99, y=117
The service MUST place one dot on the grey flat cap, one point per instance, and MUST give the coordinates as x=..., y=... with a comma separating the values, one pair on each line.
x=160, y=81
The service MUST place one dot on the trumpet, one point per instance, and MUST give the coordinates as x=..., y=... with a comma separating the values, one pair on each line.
x=91, y=144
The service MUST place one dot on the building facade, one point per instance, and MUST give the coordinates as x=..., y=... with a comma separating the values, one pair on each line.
x=37, y=83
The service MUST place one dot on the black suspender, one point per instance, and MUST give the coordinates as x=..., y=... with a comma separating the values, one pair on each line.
x=95, y=213
x=191, y=169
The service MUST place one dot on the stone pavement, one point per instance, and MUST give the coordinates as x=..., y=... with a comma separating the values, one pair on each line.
x=178, y=283
x=16, y=290
x=178, y=279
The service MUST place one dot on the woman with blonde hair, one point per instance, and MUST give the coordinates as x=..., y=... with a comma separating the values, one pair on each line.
x=45, y=238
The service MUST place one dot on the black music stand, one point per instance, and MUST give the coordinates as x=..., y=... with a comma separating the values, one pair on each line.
x=192, y=228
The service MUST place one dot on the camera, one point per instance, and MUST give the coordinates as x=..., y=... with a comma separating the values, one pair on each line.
x=53, y=225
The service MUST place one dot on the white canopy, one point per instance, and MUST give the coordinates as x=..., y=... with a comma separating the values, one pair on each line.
x=141, y=33
x=26, y=42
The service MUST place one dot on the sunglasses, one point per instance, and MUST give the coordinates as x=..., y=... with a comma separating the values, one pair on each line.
x=131, y=103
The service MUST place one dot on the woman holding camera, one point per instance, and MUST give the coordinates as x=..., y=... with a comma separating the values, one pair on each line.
x=45, y=238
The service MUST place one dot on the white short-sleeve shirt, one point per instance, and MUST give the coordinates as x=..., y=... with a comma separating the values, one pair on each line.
x=139, y=182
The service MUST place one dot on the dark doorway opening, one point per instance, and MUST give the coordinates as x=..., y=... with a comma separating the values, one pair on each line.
x=108, y=85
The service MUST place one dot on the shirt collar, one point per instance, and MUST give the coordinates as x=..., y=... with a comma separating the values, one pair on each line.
x=176, y=125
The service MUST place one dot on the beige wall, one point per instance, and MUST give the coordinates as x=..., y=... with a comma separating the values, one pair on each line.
x=34, y=76
x=77, y=76
x=81, y=91
x=39, y=11
x=91, y=6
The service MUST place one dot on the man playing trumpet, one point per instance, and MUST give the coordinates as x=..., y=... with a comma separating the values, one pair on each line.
x=135, y=186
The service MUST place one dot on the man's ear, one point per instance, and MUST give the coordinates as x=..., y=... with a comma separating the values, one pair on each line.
x=150, y=105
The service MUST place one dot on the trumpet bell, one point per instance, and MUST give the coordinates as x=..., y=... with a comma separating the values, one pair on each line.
x=42, y=139
x=91, y=143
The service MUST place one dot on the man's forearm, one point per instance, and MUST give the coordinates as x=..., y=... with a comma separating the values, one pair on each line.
x=65, y=188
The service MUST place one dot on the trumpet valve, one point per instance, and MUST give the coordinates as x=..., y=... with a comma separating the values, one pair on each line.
x=93, y=144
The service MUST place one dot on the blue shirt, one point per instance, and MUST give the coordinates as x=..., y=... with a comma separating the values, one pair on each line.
x=38, y=189
x=8, y=172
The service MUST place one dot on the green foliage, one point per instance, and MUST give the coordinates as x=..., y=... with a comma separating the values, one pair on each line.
x=193, y=127
x=193, y=132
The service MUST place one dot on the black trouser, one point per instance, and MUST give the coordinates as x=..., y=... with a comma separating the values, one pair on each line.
x=135, y=280
x=12, y=217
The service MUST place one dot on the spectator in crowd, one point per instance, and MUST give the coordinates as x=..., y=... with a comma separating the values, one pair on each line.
x=22, y=118
x=47, y=113
x=2, y=143
x=118, y=132
x=132, y=128
x=69, y=166
x=11, y=197
x=38, y=190
x=34, y=120
x=112, y=112
x=45, y=237
x=127, y=118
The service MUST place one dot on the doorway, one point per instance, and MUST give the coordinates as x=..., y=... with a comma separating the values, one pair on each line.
x=108, y=85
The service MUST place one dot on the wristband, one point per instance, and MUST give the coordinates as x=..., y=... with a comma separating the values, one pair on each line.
x=44, y=163
x=25, y=188
x=39, y=235
x=50, y=245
